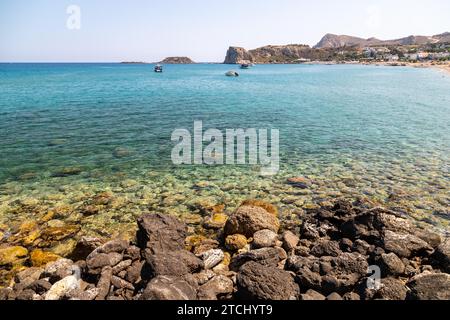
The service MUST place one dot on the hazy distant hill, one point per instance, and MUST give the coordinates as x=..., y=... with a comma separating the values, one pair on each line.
x=177, y=60
x=338, y=41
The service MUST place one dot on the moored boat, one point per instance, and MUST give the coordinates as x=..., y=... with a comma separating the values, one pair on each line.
x=158, y=68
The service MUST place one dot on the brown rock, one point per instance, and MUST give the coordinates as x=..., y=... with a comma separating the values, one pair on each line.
x=249, y=219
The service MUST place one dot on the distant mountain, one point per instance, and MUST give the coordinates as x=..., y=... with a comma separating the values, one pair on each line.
x=177, y=60
x=338, y=41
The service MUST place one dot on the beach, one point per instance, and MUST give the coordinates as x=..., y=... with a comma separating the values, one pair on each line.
x=86, y=163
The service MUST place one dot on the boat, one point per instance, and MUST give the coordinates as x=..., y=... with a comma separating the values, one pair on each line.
x=158, y=68
x=232, y=73
x=245, y=66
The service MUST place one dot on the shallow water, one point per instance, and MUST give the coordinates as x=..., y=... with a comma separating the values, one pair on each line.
x=382, y=133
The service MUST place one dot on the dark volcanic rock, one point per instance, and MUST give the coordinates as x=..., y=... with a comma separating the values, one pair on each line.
x=326, y=248
x=442, y=254
x=266, y=256
x=430, y=286
x=404, y=245
x=169, y=288
x=390, y=264
x=172, y=263
x=161, y=232
x=255, y=281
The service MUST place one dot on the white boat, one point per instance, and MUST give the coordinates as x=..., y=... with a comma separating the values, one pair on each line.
x=232, y=73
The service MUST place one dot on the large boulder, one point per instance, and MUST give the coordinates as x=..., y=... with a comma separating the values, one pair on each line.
x=258, y=282
x=172, y=263
x=169, y=288
x=247, y=220
x=161, y=232
x=430, y=286
x=404, y=245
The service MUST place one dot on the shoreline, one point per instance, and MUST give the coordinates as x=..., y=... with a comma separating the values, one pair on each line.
x=248, y=257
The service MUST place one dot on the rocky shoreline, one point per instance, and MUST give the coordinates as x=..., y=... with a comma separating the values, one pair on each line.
x=328, y=256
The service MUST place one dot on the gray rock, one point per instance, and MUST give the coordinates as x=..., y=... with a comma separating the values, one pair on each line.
x=255, y=281
x=430, y=286
x=404, y=245
x=249, y=219
x=217, y=286
x=62, y=287
x=169, y=288
x=58, y=270
x=264, y=239
x=212, y=258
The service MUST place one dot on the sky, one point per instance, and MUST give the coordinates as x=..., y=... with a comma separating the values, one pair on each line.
x=150, y=30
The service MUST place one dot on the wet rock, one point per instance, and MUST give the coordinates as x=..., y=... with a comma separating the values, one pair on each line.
x=326, y=248
x=66, y=172
x=84, y=247
x=404, y=245
x=390, y=264
x=216, y=221
x=299, y=182
x=312, y=295
x=391, y=289
x=216, y=287
x=40, y=258
x=212, y=258
x=53, y=234
x=62, y=287
x=430, y=286
x=235, y=242
x=264, y=239
x=266, y=256
x=161, y=232
x=249, y=219
x=13, y=255
x=290, y=241
x=172, y=263
x=262, y=204
x=169, y=288
x=255, y=281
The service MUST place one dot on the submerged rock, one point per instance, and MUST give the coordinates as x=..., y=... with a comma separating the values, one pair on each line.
x=13, y=255
x=235, y=242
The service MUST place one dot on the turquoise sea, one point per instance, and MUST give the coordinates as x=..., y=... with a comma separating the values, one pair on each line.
x=70, y=132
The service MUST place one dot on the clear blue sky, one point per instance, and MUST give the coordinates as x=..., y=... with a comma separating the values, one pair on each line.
x=149, y=30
